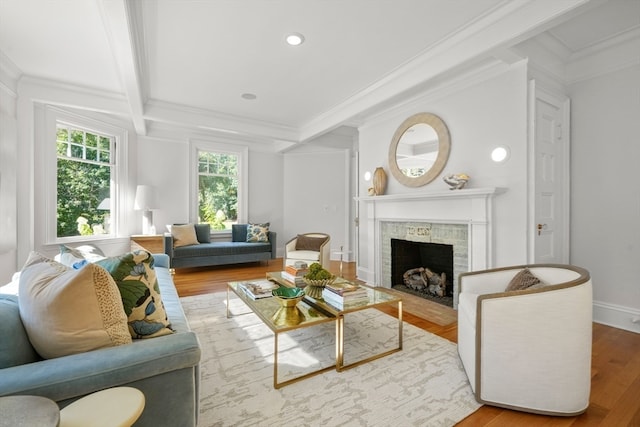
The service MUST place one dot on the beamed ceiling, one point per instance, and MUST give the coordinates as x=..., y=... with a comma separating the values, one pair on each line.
x=188, y=63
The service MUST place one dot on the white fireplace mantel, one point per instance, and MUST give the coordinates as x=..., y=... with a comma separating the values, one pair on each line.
x=472, y=207
x=444, y=194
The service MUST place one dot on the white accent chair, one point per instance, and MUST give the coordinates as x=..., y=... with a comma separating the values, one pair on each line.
x=308, y=248
x=528, y=350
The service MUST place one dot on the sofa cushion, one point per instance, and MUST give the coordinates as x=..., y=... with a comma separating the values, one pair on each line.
x=15, y=348
x=239, y=232
x=67, y=311
x=136, y=279
x=221, y=248
x=258, y=233
x=308, y=243
x=184, y=235
x=203, y=233
x=524, y=279
x=76, y=257
x=307, y=256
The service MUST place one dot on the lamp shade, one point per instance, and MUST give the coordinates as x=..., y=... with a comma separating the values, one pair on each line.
x=145, y=198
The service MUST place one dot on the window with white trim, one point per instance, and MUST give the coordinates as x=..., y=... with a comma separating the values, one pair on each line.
x=83, y=188
x=85, y=172
x=219, y=188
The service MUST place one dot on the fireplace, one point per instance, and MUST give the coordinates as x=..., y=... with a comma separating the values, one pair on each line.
x=461, y=218
x=423, y=269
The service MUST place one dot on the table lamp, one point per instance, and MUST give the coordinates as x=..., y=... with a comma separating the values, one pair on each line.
x=145, y=201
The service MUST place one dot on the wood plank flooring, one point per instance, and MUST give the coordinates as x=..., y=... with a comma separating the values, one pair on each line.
x=615, y=385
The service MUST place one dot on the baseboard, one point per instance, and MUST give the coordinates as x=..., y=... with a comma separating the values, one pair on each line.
x=365, y=275
x=616, y=316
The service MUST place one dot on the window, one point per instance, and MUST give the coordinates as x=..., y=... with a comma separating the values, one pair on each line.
x=82, y=189
x=85, y=170
x=219, y=186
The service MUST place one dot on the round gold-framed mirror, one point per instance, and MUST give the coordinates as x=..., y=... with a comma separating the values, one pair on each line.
x=419, y=149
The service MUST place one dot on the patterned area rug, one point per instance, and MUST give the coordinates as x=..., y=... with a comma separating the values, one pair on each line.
x=422, y=385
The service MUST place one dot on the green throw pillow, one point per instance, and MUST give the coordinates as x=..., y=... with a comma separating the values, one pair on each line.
x=258, y=233
x=136, y=278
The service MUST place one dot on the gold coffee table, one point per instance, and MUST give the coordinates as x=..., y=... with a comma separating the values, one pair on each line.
x=310, y=312
x=280, y=319
x=377, y=297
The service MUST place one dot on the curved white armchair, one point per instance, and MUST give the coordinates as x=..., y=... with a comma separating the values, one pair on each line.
x=309, y=248
x=528, y=350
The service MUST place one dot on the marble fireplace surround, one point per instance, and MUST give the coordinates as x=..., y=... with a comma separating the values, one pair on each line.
x=457, y=217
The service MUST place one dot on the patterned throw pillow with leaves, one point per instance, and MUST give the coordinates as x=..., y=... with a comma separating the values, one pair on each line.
x=258, y=233
x=135, y=276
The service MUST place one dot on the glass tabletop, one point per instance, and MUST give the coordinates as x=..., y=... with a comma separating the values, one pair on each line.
x=375, y=296
x=279, y=318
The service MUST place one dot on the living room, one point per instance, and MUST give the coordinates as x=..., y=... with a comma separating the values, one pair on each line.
x=481, y=72
x=307, y=179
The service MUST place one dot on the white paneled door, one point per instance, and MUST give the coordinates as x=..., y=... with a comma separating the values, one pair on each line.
x=551, y=179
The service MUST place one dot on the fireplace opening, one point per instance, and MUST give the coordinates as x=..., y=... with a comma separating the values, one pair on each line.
x=423, y=269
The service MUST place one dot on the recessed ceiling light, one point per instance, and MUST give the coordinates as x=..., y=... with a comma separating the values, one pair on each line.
x=294, y=39
x=249, y=96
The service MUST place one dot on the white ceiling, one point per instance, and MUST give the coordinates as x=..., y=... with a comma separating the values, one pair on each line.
x=189, y=62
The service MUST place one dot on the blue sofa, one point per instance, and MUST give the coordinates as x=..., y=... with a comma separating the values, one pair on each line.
x=165, y=368
x=207, y=253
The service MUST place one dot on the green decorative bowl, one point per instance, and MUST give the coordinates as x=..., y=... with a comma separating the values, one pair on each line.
x=288, y=297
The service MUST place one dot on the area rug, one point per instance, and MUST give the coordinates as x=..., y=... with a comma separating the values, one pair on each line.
x=422, y=385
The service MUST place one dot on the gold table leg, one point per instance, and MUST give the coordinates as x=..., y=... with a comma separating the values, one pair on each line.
x=340, y=366
x=277, y=384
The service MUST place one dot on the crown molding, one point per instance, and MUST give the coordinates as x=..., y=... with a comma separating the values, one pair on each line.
x=229, y=125
x=611, y=55
x=9, y=75
x=510, y=22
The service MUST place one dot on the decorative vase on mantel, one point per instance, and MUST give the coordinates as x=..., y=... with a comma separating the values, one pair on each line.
x=379, y=181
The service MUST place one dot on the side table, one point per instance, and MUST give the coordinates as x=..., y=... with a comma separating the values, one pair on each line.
x=153, y=243
x=32, y=411
x=112, y=407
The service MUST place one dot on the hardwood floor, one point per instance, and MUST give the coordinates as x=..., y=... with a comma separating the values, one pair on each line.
x=615, y=385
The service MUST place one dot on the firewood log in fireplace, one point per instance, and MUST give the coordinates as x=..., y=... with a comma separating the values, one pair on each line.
x=424, y=280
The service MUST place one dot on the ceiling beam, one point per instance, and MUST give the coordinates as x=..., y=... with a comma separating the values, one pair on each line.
x=508, y=24
x=123, y=24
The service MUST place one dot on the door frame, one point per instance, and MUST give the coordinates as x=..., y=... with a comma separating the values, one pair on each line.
x=564, y=103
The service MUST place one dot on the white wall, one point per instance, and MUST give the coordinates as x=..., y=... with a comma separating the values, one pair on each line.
x=317, y=194
x=481, y=111
x=605, y=199
x=164, y=164
x=266, y=198
x=8, y=184
x=161, y=160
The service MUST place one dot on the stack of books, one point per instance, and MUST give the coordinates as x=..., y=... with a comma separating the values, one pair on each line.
x=343, y=295
x=258, y=289
x=294, y=274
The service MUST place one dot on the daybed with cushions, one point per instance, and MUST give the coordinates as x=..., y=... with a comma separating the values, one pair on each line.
x=74, y=331
x=190, y=245
x=525, y=336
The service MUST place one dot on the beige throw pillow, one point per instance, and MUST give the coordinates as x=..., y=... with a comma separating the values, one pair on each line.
x=67, y=311
x=184, y=235
x=523, y=280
